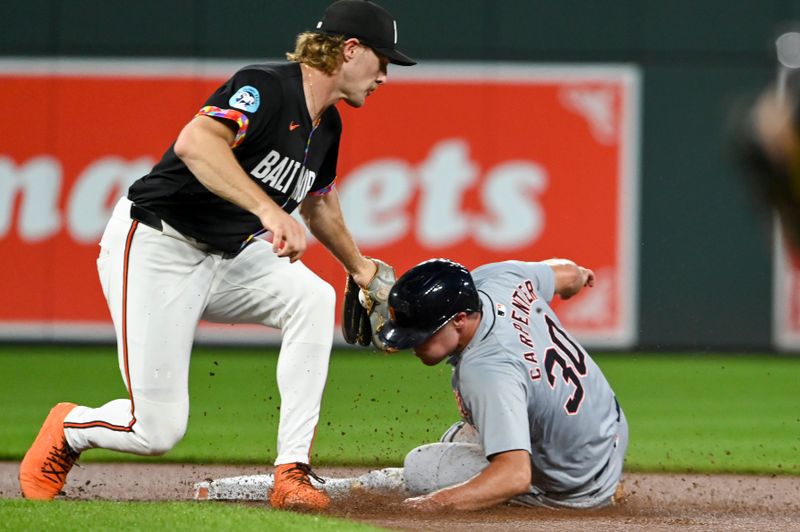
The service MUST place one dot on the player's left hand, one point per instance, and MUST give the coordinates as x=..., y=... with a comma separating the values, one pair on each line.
x=424, y=503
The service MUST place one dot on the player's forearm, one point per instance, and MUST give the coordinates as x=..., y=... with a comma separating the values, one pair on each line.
x=470, y=497
x=323, y=216
x=569, y=277
x=508, y=475
x=204, y=148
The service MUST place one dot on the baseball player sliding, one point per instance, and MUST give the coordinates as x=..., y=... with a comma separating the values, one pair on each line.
x=541, y=425
x=182, y=247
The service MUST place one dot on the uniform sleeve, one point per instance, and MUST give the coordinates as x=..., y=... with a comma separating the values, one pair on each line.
x=497, y=404
x=542, y=275
x=246, y=103
x=327, y=172
x=544, y=279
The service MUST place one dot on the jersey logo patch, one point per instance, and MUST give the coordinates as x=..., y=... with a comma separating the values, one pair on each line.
x=501, y=310
x=293, y=125
x=247, y=99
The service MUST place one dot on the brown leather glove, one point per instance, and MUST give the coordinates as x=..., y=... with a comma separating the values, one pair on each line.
x=366, y=310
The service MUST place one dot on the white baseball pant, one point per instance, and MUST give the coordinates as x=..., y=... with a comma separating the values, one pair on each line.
x=459, y=456
x=158, y=285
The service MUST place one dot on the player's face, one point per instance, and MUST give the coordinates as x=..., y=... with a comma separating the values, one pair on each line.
x=362, y=74
x=439, y=346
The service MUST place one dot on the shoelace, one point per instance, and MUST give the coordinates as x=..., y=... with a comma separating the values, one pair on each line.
x=59, y=462
x=300, y=472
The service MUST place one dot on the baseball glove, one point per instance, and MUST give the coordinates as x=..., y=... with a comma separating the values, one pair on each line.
x=366, y=310
x=769, y=148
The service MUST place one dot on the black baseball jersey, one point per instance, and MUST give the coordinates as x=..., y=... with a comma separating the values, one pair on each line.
x=276, y=144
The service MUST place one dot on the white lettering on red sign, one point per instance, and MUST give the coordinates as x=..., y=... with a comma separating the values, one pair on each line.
x=38, y=183
x=376, y=198
x=96, y=191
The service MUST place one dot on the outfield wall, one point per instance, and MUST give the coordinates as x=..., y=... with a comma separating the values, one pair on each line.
x=703, y=277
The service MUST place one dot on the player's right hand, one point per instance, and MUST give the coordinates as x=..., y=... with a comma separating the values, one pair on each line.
x=288, y=235
x=587, y=276
x=423, y=503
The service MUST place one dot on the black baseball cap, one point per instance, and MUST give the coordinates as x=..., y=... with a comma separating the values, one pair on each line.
x=369, y=23
x=424, y=299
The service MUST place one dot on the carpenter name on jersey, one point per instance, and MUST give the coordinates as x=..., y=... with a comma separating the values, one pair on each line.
x=275, y=143
x=527, y=384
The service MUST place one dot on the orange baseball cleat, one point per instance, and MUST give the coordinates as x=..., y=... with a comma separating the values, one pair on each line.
x=293, y=490
x=44, y=469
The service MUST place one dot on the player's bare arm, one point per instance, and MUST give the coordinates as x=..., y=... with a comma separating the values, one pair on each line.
x=364, y=307
x=204, y=146
x=570, y=278
x=508, y=475
x=323, y=216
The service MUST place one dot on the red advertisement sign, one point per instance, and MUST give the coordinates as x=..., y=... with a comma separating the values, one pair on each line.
x=478, y=163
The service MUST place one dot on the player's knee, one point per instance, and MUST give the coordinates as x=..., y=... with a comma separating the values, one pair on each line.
x=325, y=296
x=160, y=420
x=438, y=465
x=319, y=302
x=461, y=432
x=309, y=316
x=164, y=439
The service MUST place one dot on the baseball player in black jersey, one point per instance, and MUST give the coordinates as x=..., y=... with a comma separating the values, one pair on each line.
x=183, y=246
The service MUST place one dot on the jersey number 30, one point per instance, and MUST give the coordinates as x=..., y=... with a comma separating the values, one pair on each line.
x=573, y=367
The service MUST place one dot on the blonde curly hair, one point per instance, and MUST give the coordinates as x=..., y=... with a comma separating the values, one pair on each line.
x=318, y=50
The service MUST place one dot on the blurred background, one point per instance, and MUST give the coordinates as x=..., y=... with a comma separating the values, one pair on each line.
x=97, y=90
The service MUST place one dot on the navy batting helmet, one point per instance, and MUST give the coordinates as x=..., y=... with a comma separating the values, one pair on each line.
x=424, y=299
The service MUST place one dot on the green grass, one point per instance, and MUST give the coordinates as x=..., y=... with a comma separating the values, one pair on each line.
x=708, y=413
x=375, y=408
x=174, y=516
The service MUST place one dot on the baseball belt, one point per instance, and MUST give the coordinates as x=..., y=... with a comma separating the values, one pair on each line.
x=148, y=218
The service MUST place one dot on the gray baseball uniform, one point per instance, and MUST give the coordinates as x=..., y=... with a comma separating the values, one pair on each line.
x=526, y=384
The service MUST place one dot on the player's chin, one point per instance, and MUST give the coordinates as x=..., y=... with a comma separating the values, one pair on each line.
x=356, y=101
x=429, y=360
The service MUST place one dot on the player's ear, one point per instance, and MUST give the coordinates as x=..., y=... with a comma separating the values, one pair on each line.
x=350, y=48
x=460, y=319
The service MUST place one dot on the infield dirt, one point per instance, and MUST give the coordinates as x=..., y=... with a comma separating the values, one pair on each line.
x=653, y=501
